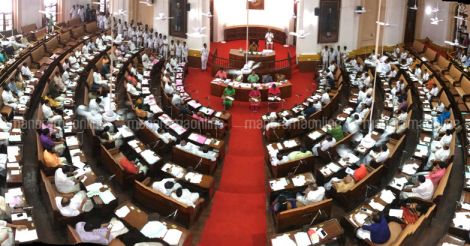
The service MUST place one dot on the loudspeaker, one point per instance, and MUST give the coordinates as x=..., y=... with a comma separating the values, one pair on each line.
x=188, y=7
x=317, y=11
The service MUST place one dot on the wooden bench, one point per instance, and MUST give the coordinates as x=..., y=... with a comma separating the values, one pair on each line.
x=418, y=47
x=51, y=193
x=442, y=64
x=410, y=229
x=65, y=38
x=78, y=32
x=92, y=28
x=430, y=54
x=40, y=57
x=74, y=22
x=453, y=76
x=440, y=188
x=297, y=217
x=275, y=134
x=357, y=193
x=166, y=205
x=110, y=159
x=299, y=166
x=53, y=46
x=187, y=159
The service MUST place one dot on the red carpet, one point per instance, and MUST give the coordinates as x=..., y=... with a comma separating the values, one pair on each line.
x=238, y=214
x=223, y=49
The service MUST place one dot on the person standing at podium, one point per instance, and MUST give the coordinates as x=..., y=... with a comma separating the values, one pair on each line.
x=204, y=57
x=269, y=37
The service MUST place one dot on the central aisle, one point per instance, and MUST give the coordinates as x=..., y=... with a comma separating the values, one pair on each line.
x=238, y=213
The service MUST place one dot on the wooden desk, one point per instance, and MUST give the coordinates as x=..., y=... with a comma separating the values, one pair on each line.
x=237, y=59
x=137, y=219
x=242, y=90
x=332, y=228
x=206, y=185
x=309, y=179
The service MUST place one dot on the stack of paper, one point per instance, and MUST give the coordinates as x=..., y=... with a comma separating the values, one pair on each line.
x=278, y=184
x=122, y=212
x=387, y=196
x=283, y=240
x=299, y=180
x=154, y=229
x=302, y=239
x=173, y=236
x=377, y=206
x=398, y=213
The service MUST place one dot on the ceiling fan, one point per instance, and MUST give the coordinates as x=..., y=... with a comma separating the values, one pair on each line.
x=208, y=14
x=198, y=32
x=147, y=2
x=385, y=24
x=162, y=17
x=300, y=34
x=121, y=12
x=247, y=68
x=435, y=20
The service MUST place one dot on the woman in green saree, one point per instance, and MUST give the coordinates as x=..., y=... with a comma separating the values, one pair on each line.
x=228, y=96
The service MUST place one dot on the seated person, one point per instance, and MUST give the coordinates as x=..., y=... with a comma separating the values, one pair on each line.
x=378, y=232
x=437, y=173
x=47, y=142
x=283, y=203
x=26, y=72
x=324, y=145
x=299, y=155
x=272, y=124
x=325, y=97
x=65, y=182
x=253, y=77
x=176, y=100
x=53, y=116
x=424, y=189
x=278, y=158
x=378, y=154
x=228, y=96
x=52, y=159
x=311, y=194
x=438, y=154
x=253, y=47
x=221, y=74
x=201, y=151
x=98, y=82
x=274, y=91
x=8, y=98
x=166, y=137
x=185, y=196
x=95, y=105
x=309, y=110
x=5, y=126
x=169, y=89
x=7, y=237
x=336, y=131
x=166, y=186
x=267, y=78
x=128, y=166
x=70, y=207
x=348, y=182
x=95, y=234
x=255, y=97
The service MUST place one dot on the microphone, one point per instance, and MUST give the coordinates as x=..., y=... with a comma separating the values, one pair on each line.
x=198, y=164
x=172, y=215
x=298, y=165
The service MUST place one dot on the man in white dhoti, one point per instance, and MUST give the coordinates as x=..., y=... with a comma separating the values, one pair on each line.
x=269, y=37
x=204, y=57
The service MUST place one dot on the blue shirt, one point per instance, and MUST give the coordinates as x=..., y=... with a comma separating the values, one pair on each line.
x=379, y=232
x=443, y=117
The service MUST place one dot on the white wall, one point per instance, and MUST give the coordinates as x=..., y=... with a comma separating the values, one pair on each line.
x=29, y=12
x=276, y=13
x=348, y=30
x=437, y=33
x=194, y=20
x=395, y=14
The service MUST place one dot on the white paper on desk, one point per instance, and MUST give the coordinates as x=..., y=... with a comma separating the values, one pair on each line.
x=122, y=212
x=466, y=206
x=376, y=206
x=14, y=138
x=94, y=187
x=154, y=229
x=278, y=184
x=77, y=162
x=283, y=240
x=398, y=183
x=387, y=196
x=398, y=213
x=196, y=178
x=19, y=216
x=150, y=156
x=290, y=143
x=299, y=180
x=360, y=218
x=107, y=196
x=15, y=172
x=25, y=235
x=173, y=236
x=333, y=167
x=302, y=239
x=410, y=169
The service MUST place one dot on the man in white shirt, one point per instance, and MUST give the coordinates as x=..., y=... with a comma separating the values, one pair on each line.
x=64, y=183
x=8, y=98
x=204, y=57
x=440, y=154
x=423, y=190
x=325, y=145
x=169, y=90
x=76, y=205
x=325, y=54
x=269, y=38
x=166, y=186
x=278, y=158
x=352, y=124
x=95, y=105
x=176, y=100
x=312, y=194
x=185, y=196
x=184, y=52
x=325, y=97
x=25, y=71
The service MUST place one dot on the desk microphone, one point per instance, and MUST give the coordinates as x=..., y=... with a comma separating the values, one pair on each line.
x=298, y=165
x=172, y=215
x=198, y=164
x=156, y=143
